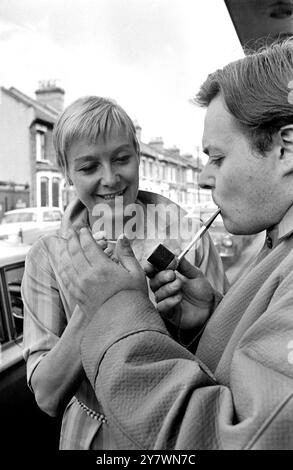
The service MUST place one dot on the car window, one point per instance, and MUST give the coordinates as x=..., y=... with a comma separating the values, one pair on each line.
x=48, y=216
x=13, y=281
x=2, y=331
x=57, y=215
x=19, y=217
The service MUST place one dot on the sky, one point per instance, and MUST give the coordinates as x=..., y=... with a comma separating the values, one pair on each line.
x=151, y=56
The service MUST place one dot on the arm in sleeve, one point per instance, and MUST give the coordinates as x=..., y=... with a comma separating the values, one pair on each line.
x=51, y=345
x=157, y=395
x=44, y=317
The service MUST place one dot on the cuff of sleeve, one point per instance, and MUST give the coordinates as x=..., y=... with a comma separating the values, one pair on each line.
x=124, y=314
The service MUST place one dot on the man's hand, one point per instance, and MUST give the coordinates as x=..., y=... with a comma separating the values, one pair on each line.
x=91, y=277
x=184, y=298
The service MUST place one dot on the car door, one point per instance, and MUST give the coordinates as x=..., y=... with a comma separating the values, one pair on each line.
x=23, y=424
x=11, y=315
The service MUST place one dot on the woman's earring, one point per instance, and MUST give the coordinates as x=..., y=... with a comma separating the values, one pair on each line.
x=70, y=181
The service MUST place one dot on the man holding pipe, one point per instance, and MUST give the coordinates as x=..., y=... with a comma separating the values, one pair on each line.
x=234, y=388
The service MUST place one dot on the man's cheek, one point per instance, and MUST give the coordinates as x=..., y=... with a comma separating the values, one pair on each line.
x=229, y=187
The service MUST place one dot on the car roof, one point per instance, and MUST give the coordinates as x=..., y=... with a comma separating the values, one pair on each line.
x=34, y=209
x=10, y=253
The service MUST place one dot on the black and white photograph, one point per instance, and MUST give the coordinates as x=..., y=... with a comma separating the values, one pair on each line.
x=146, y=228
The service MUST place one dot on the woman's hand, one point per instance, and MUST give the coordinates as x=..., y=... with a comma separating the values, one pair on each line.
x=185, y=298
x=91, y=277
x=101, y=239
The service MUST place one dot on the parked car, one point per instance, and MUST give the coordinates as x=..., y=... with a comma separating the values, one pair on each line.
x=23, y=424
x=27, y=225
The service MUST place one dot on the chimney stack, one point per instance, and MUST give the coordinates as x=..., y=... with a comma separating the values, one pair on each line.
x=137, y=130
x=50, y=94
x=175, y=151
x=157, y=143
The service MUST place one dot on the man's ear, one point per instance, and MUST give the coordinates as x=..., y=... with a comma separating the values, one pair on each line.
x=286, y=134
x=286, y=152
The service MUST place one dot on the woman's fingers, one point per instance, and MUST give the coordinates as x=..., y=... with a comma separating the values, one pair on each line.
x=88, y=244
x=100, y=235
x=103, y=244
x=108, y=251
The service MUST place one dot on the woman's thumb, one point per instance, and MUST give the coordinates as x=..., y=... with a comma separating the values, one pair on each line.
x=125, y=254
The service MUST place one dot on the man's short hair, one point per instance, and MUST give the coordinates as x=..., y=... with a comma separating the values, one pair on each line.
x=256, y=91
x=88, y=118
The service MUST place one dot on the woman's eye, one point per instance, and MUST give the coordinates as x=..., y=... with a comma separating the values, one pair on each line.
x=122, y=159
x=88, y=169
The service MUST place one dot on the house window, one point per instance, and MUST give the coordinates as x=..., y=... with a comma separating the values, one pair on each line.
x=44, y=191
x=183, y=175
x=40, y=145
x=173, y=178
x=151, y=169
x=189, y=175
x=142, y=168
x=55, y=192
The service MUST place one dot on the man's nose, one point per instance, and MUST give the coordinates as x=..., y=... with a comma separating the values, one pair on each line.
x=206, y=179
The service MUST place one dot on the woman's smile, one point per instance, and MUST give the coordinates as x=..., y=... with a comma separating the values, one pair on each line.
x=113, y=195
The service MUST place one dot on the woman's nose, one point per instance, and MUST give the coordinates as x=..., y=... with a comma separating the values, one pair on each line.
x=109, y=177
x=206, y=179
